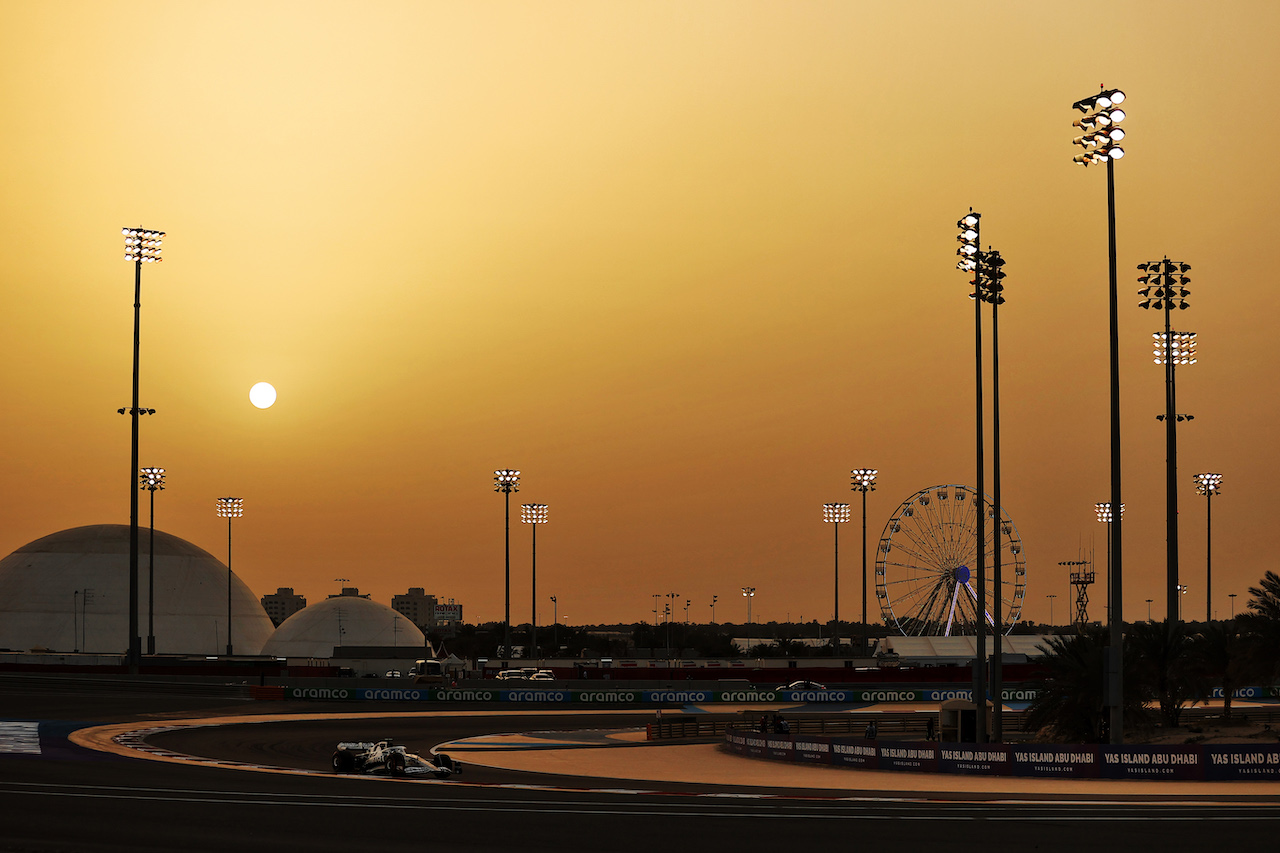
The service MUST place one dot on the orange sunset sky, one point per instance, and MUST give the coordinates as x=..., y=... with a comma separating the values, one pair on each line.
x=684, y=264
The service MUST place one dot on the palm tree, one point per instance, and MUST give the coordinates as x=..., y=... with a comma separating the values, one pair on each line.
x=1226, y=655
x=1266, y=597
x=1261, y=621
x=1069, y=705
x=1168, y=671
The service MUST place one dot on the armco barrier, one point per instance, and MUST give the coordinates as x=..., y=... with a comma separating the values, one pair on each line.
x=1209, y=762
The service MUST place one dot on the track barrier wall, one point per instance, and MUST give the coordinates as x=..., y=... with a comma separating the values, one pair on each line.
x=469, y=692
x=1205, y=762
x=625, y=696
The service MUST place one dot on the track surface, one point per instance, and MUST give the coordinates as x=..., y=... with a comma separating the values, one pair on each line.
x=69, y=798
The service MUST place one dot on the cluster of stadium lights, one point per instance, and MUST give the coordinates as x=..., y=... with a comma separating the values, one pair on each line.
x=142, y=246
x=507, y=479
x=864, y=479
x=151, y=479
x=989, y=286
x=835, y=513
x=1178, y=348
x=230, y=507
x=987, y=265
x=968, y=238
x=1208, y=484
x=533, y=513
x=1100, y=126
x=1165, y=285
x=1104, y=511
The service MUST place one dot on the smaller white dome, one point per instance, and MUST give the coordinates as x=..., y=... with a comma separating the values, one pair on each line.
x=344, y=620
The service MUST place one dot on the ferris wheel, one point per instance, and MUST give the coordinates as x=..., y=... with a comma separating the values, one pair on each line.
x=926, y=565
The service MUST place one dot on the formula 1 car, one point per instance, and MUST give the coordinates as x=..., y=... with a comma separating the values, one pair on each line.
x=386, y=758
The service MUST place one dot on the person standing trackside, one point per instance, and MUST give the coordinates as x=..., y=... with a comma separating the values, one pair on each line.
x=871, y=732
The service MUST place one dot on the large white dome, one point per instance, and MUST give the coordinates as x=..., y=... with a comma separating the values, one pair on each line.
x=43, y=602
x=344, y=620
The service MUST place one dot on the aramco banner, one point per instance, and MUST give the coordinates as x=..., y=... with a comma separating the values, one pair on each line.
x=639, y=696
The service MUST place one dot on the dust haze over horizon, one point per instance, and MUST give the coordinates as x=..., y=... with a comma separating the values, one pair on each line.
x=682, y=264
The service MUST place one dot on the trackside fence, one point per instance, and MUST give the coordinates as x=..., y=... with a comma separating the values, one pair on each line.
x=1207, y=762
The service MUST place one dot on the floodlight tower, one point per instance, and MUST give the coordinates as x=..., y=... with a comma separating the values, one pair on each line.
x=1210, y=485
x=533, y=515
x=971, y=260
x=990, y=289
x=864, y=480
x=152, y=480
x=141, y=246
x=1171, y=348
x=837, y=514
x=1100, y=138
x=508, y=481
x=229, y=508
x=1164, y=288
x=1103, y=511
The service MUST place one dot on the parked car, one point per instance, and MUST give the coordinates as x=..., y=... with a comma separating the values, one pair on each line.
x=543, y=675
x=393, y=673
x=512, y=675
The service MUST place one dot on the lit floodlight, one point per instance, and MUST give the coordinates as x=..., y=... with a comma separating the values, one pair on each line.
x=1099, y=123
x=507, y=480
x=1208, y=484
x=230, y=507
x=835, y=513
x=142, y=246
x=1177, y=348
x=151, y=479
x=863, y=479
x=1104, y=511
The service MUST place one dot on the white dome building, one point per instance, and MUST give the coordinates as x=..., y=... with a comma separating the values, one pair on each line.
x=69, y=591
x=344, y=620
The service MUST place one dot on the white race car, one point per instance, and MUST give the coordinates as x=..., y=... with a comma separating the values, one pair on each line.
x=386, y=758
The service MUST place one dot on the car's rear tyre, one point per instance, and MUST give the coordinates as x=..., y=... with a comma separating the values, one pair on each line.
x=343, y=761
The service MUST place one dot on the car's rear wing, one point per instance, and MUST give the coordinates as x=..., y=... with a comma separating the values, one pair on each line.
x=354, y=746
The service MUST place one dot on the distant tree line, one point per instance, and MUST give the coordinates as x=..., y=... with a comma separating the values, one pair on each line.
x=674, y=640
x=1166, y=668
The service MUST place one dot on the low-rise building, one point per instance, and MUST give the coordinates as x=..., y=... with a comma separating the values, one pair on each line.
x=282, y=604
x=426, y=612
x=350, y=592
